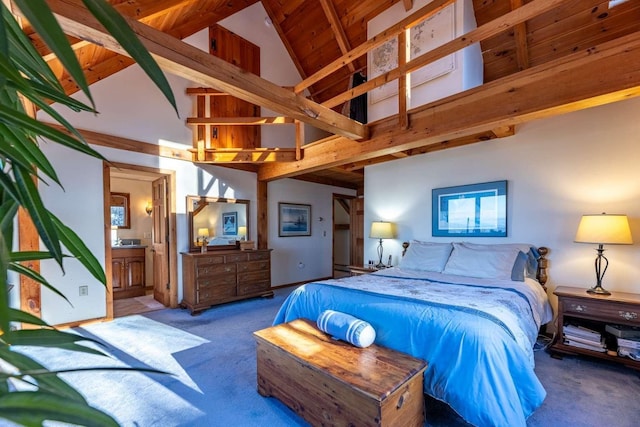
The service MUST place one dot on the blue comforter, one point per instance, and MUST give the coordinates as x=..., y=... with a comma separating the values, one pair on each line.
x=476, y=335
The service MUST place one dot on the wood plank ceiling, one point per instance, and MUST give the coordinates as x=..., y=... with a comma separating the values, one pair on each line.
x=317, y=32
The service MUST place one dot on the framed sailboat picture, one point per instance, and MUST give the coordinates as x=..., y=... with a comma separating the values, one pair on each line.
x=294, y=219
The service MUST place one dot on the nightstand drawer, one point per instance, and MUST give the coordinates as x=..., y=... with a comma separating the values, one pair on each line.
x=603, y=309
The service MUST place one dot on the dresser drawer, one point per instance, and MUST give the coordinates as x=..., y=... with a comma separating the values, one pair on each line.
x=208, y=260
x=605, y=310
x=252, y=288
x=211, y=294
x=253, y=266
x=253, y=277
x=235, y=257
x=255, y=256
x=214, y=270
x=209, y=282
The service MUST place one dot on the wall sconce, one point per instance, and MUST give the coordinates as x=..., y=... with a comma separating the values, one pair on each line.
x=149, y=208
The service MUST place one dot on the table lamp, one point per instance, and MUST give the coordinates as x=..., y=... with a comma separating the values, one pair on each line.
x=603, y=229
x=381, y=230
x=203, y=233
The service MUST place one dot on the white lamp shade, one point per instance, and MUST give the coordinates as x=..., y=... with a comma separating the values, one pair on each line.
x=382, y=230
x=242, y=231
x=203, y=232
x=604, y=229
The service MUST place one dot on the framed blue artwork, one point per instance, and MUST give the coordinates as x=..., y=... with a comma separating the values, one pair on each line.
x=294, y=219
x=230, y=223
x=474, y=210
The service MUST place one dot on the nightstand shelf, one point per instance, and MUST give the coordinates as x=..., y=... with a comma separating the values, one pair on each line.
x=575, y=305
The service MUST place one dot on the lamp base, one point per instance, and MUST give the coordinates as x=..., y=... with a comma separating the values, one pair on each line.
x=380, y=266
x=599, y=290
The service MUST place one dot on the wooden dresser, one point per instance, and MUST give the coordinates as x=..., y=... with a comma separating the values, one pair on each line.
x=222, y=276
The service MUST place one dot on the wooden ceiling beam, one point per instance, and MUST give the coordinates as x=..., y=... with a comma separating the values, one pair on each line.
x=239, y=121
x=557, y=87
x=338, y=31
x=244, y=155
x=420, y=15
x=120, y=143
x=503, y=23
x=193, y=64
x=141, y=10
x=520, y=37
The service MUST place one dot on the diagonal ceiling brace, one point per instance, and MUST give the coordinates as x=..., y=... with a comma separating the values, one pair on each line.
x=191, y=63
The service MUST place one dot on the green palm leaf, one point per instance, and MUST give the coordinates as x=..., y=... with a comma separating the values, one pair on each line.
x=78, y=249
x=40, y=17
x=33, y=408
x=117, y=26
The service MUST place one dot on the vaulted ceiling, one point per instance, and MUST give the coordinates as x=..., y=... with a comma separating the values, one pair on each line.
x=571, y=54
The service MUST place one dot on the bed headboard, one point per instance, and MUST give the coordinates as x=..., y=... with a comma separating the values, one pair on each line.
x=541, y=274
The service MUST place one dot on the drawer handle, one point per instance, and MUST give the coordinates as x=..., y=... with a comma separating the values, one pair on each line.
x=403, y=398
x=578, y=307
x=628, y=315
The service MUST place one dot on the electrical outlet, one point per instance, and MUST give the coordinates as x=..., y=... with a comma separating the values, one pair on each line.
x=147, y=235
x=84, y=290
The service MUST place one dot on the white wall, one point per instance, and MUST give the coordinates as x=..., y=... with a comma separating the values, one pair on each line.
x=557, y=169
x=302, y=258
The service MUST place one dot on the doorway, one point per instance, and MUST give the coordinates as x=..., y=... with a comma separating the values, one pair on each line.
x=348, y=219
x=141, y=257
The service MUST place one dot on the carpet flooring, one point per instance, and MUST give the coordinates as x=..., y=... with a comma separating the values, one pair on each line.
x=212, y=380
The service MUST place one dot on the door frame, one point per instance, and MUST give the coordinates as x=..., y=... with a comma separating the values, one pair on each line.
x=172, y=256
x=335, y=197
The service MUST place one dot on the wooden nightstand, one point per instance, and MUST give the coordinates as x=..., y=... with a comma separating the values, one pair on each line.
x=577, y=306
x=357, y=270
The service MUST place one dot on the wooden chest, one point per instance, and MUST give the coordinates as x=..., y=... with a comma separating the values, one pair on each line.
x=332, y=383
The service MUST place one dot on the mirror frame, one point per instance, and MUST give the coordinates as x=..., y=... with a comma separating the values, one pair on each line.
x=193, y=201
x=124, y=197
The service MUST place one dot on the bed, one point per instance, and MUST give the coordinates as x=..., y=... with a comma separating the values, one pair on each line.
x=472, y=311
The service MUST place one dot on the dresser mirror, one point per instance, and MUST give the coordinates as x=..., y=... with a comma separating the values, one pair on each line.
x=217, y=223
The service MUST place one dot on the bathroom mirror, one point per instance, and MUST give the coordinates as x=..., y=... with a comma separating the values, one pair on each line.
x=120, y=216
x=216, y=222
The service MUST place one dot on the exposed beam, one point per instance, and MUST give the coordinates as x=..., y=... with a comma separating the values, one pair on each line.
x=338, y=31
x=141, y=10
x=498, y=25
x=120, y=143
x=520, y=38
x=556, y=87
x=243, y=155
x=420, y=15
x=239, y=121
x=191, y=63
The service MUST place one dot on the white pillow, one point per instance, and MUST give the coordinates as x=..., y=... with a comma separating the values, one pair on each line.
x=481, y=262
x=426, y=256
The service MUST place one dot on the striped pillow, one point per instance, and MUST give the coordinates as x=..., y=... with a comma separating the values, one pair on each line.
x=346, y=328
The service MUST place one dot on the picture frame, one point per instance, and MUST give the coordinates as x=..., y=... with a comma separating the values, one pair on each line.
x=474, y=210
x=294, y=219
x=230, y=223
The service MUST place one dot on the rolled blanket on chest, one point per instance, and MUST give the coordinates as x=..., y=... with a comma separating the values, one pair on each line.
x=346, y=327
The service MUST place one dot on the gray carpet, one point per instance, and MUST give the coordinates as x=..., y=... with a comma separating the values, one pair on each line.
x=213, y=382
